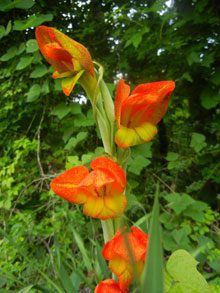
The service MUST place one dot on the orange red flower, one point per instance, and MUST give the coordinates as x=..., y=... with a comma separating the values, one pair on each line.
x=126, y=253
x=138, y=113
x=109, y=286
x=101, y=191
x=71, y=60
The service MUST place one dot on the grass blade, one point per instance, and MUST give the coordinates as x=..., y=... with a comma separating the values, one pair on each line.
x=83, y=250
x=153, y=270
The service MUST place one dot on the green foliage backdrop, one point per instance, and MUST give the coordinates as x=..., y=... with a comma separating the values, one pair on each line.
x=46, y=244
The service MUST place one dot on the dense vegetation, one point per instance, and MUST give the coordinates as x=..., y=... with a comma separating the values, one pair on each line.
x=46, y=242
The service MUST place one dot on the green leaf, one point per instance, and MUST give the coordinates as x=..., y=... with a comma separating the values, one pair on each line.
x=11, y=53
x=5, y=31
x=57, y=85
x=32, y=21
x=39, y=71
x=143, y=150
x=215, y=78
x=33, y=93
x=196, y=211
x=75, y=140
x=65, y=278
x=31, y=46
x=181, y=238
x=171, y=156
x=181, y=266
x=61, y=110
x=21, y=48
x=21, y=4
x=75, y=108
x=84, y=121
x=24, y=62
x=72, y=161
x=76, y=280
x=187, y=77
x=193, y=57
x=135, y=37
x=198, y=142
x=135, y=40
x=67, y=133
x=45, y=88
x=138, y=164
x=51, y=282
x=102, y=263
x=153, y=269
x=210, y=98
x=26, y=289
x=178, y=202
x=214, y=288
x=86, y=158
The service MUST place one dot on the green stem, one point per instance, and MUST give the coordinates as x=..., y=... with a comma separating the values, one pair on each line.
x=118, y=223
x=108, y=229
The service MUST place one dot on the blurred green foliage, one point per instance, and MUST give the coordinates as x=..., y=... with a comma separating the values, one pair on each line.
x=46, y=244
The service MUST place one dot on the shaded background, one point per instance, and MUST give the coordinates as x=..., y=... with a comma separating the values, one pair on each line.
x=47, y=244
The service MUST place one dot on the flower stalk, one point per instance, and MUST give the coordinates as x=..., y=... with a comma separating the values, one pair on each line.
x=100, y=189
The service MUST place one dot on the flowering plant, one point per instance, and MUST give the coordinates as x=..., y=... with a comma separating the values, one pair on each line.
x=101, y=191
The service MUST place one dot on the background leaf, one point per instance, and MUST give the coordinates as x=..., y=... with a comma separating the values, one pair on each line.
x=33, y=20
x=34, y=93
x=198, y=142
x=6, y=5
x=181, y=266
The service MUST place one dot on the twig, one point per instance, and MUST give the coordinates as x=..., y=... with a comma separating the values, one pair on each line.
x=38, y=180
x=51, y=256
x=163, y=182
x=29, y=127
x=38, y=144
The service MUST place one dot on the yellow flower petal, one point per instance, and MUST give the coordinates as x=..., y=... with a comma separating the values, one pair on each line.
x=56, y=74
x=115, y=203
x=93, y=206
x=68, y=83
x=114, y=206
x=122, y=269
x=146, y=131
x=77, y=50
x=126, y=137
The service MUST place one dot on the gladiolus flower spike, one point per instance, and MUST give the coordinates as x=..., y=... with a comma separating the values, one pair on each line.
x=119, y=256
x=109, y=286
x=71, y=60
x=138, y=114
x=101, y=191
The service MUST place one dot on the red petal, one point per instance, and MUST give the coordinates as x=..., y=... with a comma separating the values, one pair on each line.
x=158, y=86
x=108, y=286
x=54, y=51
x=117, y=246
x=67, y=184
x=47, y=35
x=97, y=179
x=112, y=169
x=122, y=92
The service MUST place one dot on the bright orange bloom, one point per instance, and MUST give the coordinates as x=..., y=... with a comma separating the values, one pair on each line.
x=138, y=114
x=101, y=191
x=126, y=253
x=71, y=60
x=109, y=286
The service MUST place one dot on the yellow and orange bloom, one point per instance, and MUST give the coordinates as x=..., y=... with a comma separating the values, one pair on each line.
x=138, y=113
x=101, y=191
x=126, y=253
x=71, y=60
x=109, y=286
